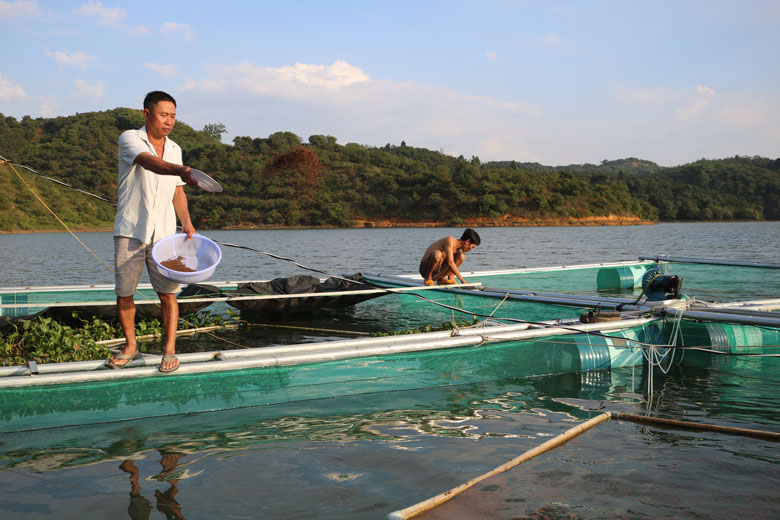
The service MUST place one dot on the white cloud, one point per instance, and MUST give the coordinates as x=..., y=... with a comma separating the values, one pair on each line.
x=668, y=125
x=340, y=74
x=705, y=90
x=49, y=106
x=18, y=9
x=171, y=29
x=741, y=111
x=640, y=95
x=107, y=16
x=685, y=103
x=491, y=55
x=76, y=59
x=697, y=102
x=290, y=81
x=165, y=71
x=89, y=92
x=11, y=92
x=342, y=100
x=138, y=30
x=742, y=116
x=676, y=125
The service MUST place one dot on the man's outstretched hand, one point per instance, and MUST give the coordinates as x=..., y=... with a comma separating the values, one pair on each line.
x=186, y=176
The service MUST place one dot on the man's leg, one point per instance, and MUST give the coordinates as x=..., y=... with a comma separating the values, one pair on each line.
x=128, y=265
x=125, y=310
x=170, y=318
x=429, y=274
x=440, y=268
x=449, y=277
x=428, y=265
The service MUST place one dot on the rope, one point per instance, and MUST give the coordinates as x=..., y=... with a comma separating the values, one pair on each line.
x=506, y=296
x=304, y=267
x=12, y=164
x=656, y=355
x=309, y=329
x=54, y=214
x=227, y=244
x=266, y=253
x=738, y=354
x=149, y=300
x=296, y=263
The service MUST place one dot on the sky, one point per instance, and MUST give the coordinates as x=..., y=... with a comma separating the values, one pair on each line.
x=554, y=82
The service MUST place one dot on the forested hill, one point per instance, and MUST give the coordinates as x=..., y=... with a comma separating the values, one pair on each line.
x=283, y=180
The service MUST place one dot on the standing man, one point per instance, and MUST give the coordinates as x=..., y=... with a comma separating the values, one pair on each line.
x=150, y=195
x=442, y=258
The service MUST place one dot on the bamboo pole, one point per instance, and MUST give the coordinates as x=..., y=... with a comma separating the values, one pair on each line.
x=429, y=504
x=678, y=259
x=658, y=421
x=151, y=337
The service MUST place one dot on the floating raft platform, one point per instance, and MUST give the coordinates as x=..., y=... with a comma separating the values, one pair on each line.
x=532, y=329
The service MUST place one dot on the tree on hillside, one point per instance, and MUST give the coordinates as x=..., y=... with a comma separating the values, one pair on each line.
x=215, y=130
x=295, y=176
x=279, y=180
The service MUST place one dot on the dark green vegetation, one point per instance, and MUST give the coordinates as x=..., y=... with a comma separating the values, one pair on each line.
x=47, y=340
x=282, y=181
x=447, y=325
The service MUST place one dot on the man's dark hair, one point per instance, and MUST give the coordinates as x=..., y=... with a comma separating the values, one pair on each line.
x=154, y=97
x=471, y=236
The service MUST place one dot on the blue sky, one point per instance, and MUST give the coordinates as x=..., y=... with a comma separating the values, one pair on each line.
x=557, y=82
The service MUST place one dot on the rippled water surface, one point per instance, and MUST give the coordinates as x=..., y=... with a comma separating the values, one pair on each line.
x=58, y=258
x=362, y=457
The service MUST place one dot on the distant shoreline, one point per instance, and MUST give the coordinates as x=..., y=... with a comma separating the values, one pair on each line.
x=403, y=223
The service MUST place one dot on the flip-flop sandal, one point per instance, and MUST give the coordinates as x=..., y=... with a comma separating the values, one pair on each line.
x=128, y=358
x=172, y=369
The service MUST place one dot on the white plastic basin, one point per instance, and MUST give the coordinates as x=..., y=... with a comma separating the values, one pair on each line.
x=199, y=253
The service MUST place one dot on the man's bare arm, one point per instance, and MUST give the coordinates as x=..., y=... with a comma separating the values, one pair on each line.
x=162, y=167
x=182, y=211
x=449, y=250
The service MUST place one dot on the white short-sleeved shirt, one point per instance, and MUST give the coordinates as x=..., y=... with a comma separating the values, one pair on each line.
x=144, y=209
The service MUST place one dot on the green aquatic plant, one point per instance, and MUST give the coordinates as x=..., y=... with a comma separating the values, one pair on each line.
x=47, y=340
x=208, y=319
x=447, y=325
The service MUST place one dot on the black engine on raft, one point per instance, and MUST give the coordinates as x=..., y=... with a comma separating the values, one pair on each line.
x=658, y=286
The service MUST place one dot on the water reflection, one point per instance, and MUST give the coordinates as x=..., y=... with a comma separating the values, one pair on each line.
x=141, y=507
x=383, y=451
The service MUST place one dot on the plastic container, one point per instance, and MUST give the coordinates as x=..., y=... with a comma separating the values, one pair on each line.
x=199, y=253
x=622, y=278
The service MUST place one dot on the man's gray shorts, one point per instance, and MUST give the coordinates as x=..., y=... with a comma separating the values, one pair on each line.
x=130, y=255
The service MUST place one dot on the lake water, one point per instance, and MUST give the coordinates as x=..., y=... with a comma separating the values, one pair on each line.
x=364, y=456
x=58, y=258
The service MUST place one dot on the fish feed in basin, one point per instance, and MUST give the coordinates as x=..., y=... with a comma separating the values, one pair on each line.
x=186, y=261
